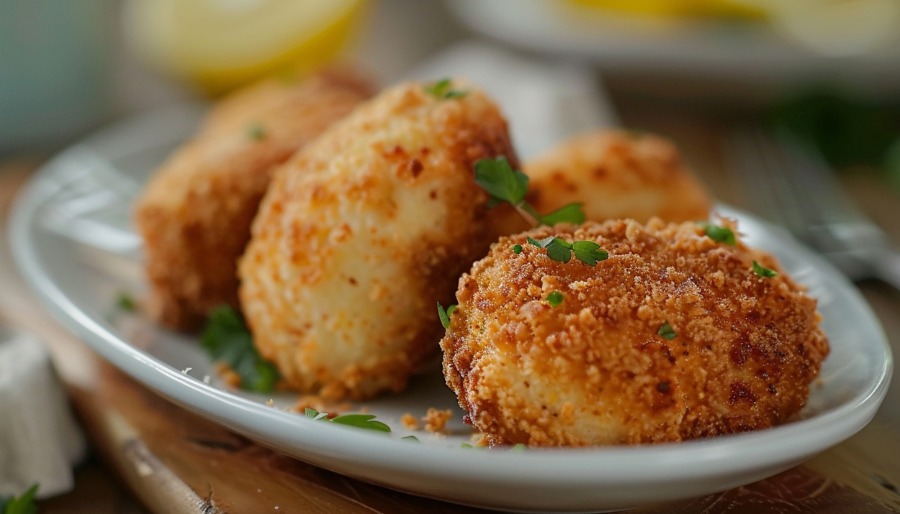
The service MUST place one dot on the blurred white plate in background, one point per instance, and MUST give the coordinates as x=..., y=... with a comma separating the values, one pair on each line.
x=709, y=49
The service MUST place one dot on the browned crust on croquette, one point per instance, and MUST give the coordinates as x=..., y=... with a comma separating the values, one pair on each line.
x=594, y=369
x=196, y=211
x=346, y=214
x=615, y=174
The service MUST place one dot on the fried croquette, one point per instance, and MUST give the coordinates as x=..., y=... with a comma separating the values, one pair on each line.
x=195, y=213
x=615, y=174
x=362, y=232
x=673, y=337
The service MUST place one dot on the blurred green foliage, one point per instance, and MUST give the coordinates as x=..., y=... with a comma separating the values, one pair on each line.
x=848, y=130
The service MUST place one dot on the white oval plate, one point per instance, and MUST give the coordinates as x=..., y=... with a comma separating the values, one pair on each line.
x=86, y=192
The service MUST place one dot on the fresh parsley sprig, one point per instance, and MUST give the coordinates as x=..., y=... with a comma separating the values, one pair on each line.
x=555, y=299
x=666, y=331
x=719, y=234
x=442, y=90
x=445, y=314
x=226, y=339
x=561, y=250
x=364, y=421
x=763, y=271
x=505, y=184
x=23, y=504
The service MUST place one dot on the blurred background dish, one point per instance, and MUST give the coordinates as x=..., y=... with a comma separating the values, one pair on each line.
x=716, y=42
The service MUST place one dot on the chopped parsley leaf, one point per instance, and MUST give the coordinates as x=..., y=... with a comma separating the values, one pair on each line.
x=666, y=332
x=763, y=271
x=517, y=249
x=365, y=421
x=561, y=250
x=442, y=90
x=719, y=234
x=589, y=252
x=23, y=504
x=569, y=213
x=505, y=184
x=444, y=315
x=125, y=302
x=555, y=298
x=226, y=339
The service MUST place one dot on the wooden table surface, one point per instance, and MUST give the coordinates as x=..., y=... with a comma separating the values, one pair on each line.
x=149, y=455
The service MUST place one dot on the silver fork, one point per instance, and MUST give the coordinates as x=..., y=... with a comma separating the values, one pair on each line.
x=796, y=189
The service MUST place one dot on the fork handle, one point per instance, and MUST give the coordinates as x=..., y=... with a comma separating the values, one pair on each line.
x=887, y=267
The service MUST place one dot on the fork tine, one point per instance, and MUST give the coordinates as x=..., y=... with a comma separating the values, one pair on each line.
x=759, y=169
x=816, y=181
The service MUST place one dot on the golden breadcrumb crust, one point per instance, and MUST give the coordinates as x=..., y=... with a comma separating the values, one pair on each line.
x=362, y=232
x=594, y=371
x=195, y=213
x=615, y=174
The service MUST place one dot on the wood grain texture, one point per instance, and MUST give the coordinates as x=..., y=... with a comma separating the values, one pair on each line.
x=175, y=461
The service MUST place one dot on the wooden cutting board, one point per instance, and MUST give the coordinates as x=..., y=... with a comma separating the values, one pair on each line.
x=174, y=462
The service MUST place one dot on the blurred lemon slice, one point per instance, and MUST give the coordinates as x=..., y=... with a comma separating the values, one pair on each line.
x=222, y=44
x=735, y=9
x=838, y=27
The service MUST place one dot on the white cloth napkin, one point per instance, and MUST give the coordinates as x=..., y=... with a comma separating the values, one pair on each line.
x=39, y=438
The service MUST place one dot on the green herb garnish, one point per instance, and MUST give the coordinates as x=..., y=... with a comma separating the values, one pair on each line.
x=23, y=504
x=666, y=332
x=569, y=213
x=517, y=249
x=505, y=184
x=555, y=298
x=125, y=302
x=763, y=271
x=410, y=438
x=518, y=447
x=256, y=132
x=561, y=250
x=445, y=314
x=365, y=421
x=227, y=340
x=719, y=234
x=442, y=90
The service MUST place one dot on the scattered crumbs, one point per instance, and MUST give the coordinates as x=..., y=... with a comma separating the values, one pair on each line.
x=435, y=420
x=186, y=370
x=277, y=507
x=270, y=403
x=410, y=422
x=205, y=379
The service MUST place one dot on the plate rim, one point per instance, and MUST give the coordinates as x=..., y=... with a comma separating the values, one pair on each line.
x=562, y=468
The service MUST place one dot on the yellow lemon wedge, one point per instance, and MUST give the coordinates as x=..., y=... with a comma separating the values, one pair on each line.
x=221, y=44
x=733, y=9
x=839, y=28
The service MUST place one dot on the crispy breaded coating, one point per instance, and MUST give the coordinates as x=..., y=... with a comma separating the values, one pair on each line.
x=195, y=213
x=595, y=370
x=362, y=232
x=615, y=174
